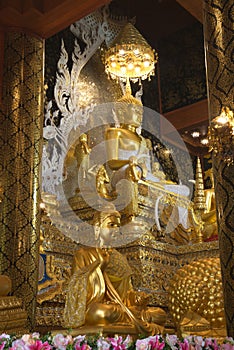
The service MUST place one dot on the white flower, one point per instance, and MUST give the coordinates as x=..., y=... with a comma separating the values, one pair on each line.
x=172, y=340
x=19, y=344
x=79, y=338
x=4, y=336
x=60, y=342
x=103, y=344
x=142, y=344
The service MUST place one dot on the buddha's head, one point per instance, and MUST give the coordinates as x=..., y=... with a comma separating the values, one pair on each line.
x=106, y=225
x=129, y=111
x=83, y=138
x=196, y=298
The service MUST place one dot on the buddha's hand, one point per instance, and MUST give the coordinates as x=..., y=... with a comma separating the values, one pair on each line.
x=139, y=298
x=104, y=259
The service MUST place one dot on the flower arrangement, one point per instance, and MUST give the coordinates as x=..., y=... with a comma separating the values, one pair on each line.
x=66, y=342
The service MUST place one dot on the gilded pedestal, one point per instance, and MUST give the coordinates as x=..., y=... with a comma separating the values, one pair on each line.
x=13, y=317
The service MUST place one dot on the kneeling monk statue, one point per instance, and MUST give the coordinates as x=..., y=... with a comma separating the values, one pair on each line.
x=100, y=292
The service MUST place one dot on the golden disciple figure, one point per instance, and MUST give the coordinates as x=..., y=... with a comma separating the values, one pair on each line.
x=102, y=181
x=100, y=291
x=81, y=153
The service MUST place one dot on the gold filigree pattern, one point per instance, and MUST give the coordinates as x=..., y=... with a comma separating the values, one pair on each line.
x=13, y=317
x=218, y=28
x=22, y=91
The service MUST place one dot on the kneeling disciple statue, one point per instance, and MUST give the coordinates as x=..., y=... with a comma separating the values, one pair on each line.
x=100, y=293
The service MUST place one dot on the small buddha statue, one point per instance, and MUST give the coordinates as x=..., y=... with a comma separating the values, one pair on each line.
x=102, y=182
x=209, y=217
x=100, y=292
x=209, y=192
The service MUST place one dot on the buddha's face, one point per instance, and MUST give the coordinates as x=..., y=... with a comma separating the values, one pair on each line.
x=83, y=138
x=136, y=115
x=109, y=228
x=130, y=114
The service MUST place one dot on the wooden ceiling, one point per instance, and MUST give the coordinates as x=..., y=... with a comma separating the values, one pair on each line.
x=194, y=7
x=45, y=18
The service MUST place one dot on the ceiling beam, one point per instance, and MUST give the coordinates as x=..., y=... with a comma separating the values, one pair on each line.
x=194, y=7
x=44, y=18
x=185, y=117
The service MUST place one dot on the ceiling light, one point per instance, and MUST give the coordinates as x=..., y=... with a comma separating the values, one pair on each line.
x=195, y=134
x=221, y=136
x=131, y=51
x=204, y=141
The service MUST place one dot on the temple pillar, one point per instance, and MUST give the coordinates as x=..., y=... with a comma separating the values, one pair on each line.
x=218, y=29
x=21, y=145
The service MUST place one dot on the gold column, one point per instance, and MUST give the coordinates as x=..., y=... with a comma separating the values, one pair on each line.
x=21, y=141
x=218, y=29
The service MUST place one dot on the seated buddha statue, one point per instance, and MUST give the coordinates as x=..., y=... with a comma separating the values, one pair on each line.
x=100, y=292
x=209, y=217
x=123, y=140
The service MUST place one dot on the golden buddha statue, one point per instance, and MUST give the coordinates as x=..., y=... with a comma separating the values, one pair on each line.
x=209, y=192
x=100, y=292
x=123, y=141
x=209, y=217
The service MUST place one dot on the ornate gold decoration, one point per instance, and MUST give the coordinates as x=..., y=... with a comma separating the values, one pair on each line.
x=48, y=284
x=196, y=299
x=221, y=91
x=20, y=226
x=13, y=318
x=130, y=56
x=221, y=136
x=199, y=199
x=199, y=195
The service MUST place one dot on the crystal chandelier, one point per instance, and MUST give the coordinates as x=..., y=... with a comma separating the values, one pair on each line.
x=130, y=57
x=221, y=136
